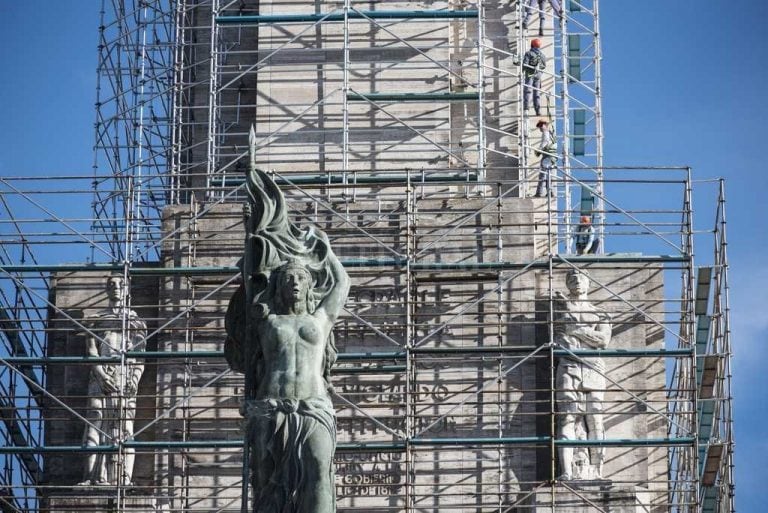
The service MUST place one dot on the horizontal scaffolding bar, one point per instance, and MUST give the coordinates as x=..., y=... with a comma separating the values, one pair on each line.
x=524, y=440
x=351, y=357
x=591, y=259
x=361, y=446
x=197, y=444
x=545, y=440
x=430, y=14
x=413, y=97
x=373, y=369
x=606, y=353
x=376, y=355
x=356, y=178
x=357, y=262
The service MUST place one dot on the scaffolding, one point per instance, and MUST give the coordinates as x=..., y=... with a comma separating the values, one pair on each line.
x=398, y=128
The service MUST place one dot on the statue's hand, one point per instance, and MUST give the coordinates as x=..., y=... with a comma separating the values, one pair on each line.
x=107, y=383
x=572, y=328
x=132, y=388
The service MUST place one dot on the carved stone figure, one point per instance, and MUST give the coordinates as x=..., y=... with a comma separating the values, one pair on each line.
x=279, y=333
x=580, y=383
x=112, y=387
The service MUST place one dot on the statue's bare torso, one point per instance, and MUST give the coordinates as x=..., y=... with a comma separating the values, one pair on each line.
x=293, y=347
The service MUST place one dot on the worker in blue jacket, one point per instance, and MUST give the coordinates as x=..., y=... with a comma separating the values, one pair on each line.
x=586, y=243
x=534, y=64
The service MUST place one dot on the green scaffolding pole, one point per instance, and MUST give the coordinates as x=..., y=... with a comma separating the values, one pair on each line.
x=264, y=19
x=360, y=446
x=413, y=97
x=355, y=263
x=353, y=357
x=357, y=178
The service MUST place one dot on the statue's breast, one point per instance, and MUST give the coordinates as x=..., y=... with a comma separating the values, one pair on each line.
x=281, y=331
x=309, y=332
x=589, y=318
x=583, y=313
x=290, y=329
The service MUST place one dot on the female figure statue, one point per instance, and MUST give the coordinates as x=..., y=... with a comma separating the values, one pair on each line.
x=279, y=333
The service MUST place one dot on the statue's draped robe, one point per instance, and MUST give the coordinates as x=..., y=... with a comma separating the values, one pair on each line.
x=279, y=430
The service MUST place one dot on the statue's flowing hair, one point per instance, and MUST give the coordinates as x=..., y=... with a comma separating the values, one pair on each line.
x=272, y=244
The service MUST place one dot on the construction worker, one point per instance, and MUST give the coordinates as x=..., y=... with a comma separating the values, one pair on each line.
x=547, y=150
x=534, y=64
x=528, y=8
x=586, y=243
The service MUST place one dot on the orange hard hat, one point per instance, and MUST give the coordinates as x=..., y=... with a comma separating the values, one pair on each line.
x=586, y=219
x=536, y=43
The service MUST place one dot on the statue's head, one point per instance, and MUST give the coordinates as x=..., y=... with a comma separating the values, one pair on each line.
x=577, y=281
x=293, y=285
x=114, y=283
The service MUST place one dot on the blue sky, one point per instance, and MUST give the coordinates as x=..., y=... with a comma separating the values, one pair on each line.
x=684, y=83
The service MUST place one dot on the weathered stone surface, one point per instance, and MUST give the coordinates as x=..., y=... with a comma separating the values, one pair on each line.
x=586, y=498
x=100, y=502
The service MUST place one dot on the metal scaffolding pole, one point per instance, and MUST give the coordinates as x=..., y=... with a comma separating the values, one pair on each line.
x=447, y=367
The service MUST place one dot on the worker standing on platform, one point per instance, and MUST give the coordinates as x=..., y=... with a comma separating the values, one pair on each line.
x=534, y=63
x=585, y=237
x=528, y=7
x=547, y=150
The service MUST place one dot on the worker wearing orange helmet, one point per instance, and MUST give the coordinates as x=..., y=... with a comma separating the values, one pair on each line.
x=534, y=63
x=586, y=243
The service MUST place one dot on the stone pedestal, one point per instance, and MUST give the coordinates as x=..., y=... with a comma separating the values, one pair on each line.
x=97, y=501
x=586, y=496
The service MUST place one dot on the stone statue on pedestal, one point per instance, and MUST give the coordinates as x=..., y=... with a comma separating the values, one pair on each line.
x=580, y=383
x=279, y=334
x=112, y=387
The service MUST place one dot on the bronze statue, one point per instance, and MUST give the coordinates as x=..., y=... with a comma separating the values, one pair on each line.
x=279, y=334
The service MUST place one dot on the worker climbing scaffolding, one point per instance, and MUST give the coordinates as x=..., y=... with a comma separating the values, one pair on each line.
x=534, y=63
x=547, y=150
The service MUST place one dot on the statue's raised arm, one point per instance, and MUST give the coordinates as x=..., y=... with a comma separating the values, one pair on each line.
x=334, y=300
x=280, y=335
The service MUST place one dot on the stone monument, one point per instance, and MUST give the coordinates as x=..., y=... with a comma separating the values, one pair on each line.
x=578, y=324
x=112, y=387
x=279, y=334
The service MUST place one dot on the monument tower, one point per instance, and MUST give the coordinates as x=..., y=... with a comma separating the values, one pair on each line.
x=526, y=328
